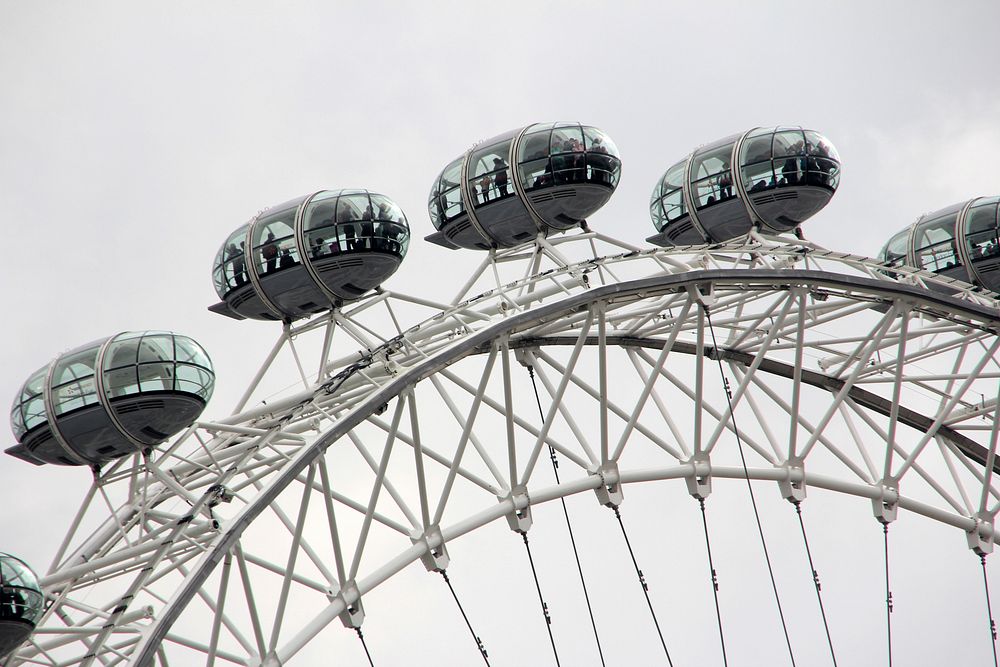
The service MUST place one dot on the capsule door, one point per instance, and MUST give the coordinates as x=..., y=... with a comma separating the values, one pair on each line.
x=934, y=245
x=277, y=262
x=713, y=194
x=449, y=214
x=982, y=242
x=355, y=240
x=494, y=201
x=567, y=171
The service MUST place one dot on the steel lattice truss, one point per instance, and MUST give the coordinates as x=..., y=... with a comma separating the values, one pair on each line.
x=842, y=375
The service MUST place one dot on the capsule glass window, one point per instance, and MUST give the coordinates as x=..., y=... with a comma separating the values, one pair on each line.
x=448, y=204
x=671, y=195
x=711, y=176
x=603, y=160
x=489, y=173
x=392, y=232
x=320, y=226
x=894, y=252
x=73, y=383
x=156, y=361
x=981, y=229
x=29, y=408
x=21, y=590
x=230, y=269
x=274, y=239
x=354, y=221
x=569, y=164
x=934, y=243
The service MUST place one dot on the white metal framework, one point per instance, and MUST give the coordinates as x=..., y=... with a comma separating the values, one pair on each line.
x=242, y=540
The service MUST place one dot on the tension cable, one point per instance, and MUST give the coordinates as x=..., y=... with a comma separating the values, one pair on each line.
x=989, y=609
x=569, y=526
x=815, y=576
x=645, y=586
x=479, y=642
x=715, y=581
x=541, y=600
x=746, y=475
x=364, y=645
x=888, y=596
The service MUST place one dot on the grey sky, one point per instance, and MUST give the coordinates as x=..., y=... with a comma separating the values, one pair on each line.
x=135, y=136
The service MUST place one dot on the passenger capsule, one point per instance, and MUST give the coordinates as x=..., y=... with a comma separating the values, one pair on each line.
x=309, y=254
x=110, y=398
x=540, y=179
x=785, y=176
x=21, y=602
x=959, y=242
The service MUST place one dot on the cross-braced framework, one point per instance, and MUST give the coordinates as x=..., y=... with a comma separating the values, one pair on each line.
x=245, y=538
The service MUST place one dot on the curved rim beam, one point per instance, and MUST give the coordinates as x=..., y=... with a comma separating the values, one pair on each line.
x=938, y=305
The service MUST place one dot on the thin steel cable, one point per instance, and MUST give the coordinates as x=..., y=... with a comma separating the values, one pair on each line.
x=479, y=642
x=541, y=600
x=645, y=587
x=715, y=582
x=569, y=526
x=815, y=576
x=888, y=596
x=364, y=644
x=746, y=475
x=989, y=609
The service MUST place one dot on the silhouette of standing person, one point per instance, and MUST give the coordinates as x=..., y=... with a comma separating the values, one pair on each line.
x=270, y=253
x=500, y=178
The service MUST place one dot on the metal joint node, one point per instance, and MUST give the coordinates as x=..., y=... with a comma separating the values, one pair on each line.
x=980, y=538
x=520, y=519
x=703, y=294
x=609, y=493
x=526, y=356
x=699, y=482
x=885, y=505
x=354, y=611
x=793, y=486
x=219, y=494
x=436, y=558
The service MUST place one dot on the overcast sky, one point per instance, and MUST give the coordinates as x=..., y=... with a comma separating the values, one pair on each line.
x=134, y=136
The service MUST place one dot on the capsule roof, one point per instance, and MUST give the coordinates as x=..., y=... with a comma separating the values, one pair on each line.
x=309, y=255
x=785, y=176
x=959, y=241
x=110, y=398
x=21, y=602
x=562, y=173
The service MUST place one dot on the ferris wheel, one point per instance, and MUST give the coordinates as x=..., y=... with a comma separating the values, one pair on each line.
x=572, y=376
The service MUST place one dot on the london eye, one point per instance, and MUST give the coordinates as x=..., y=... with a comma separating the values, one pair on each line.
x=570, y=377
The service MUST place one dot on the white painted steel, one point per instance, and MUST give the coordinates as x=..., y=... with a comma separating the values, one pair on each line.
x=807, y=334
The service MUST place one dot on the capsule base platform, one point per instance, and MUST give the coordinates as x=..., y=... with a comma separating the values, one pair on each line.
x=13, y=632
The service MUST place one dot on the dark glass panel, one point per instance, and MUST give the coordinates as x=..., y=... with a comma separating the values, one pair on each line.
x=758, y=177
x=536, y=174
x=789, y=143
x=756, y=149
x=533, y=146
